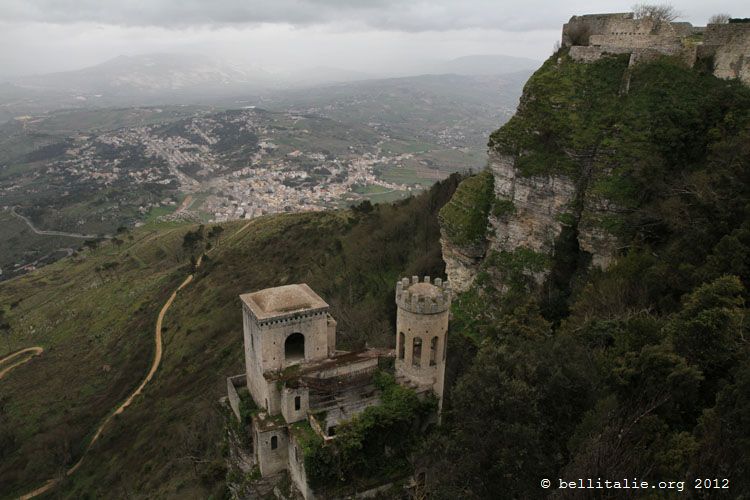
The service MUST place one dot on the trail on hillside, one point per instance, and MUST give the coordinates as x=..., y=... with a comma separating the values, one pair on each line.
x=151, y=372
x=55, y=233
x=35, y=351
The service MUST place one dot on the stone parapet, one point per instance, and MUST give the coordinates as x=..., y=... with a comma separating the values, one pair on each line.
x=413, y=296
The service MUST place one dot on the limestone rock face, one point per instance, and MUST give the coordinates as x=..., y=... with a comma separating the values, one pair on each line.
x=538, y=206
x=530, y=213
x=461, y=263
x=592, y=237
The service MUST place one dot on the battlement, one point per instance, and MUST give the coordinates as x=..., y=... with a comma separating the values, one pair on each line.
x=725, y=46
x=425, y=297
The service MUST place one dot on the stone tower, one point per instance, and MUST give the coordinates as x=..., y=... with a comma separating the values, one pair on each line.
x=283, y=326
x=421, y=332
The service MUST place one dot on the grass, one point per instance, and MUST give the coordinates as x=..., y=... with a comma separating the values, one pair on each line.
x=380, y=194
x=464, y=218
x=18, y=243
x=160, y=211
x=97, y=330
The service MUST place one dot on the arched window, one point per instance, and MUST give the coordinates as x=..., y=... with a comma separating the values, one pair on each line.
x=294, y=347
x=297, y=403
x=416, y=352
x=401, y=347
x=433, y=351
x=274, y=442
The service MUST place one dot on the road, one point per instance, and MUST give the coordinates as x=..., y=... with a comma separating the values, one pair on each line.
x=55, y=233
x=151, y=372
x=35, y=351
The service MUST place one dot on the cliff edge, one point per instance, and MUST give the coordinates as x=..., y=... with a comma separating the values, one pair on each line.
x=582, y=169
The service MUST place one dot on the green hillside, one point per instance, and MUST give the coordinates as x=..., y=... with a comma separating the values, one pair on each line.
x=640, y=370
x=94, y=315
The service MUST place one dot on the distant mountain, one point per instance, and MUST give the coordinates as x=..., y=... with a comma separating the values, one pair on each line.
x=492, y=64
x=149, y=74
x=164, y=79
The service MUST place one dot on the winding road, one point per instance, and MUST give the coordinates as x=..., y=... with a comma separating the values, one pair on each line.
x=151, y=372
x=35, y=351
x=55, y=233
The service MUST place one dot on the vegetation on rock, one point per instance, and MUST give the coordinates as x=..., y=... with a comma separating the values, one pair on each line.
x=633, y=371
x=464, y=217
x=372, y=447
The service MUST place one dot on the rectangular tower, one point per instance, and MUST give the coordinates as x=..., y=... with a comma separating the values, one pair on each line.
x=283, y=326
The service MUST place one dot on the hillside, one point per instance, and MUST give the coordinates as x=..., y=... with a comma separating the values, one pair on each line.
x=600, y=329
x=93, y=172
x=603, y=257
x=94, y=315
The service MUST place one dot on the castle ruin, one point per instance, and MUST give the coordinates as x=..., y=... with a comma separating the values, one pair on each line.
x=294, y=372
x=725, y=48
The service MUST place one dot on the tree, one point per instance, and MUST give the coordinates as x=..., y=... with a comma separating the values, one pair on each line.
x=724, y=433
x=192, y=238
x=658, y=13
x=708, y=329
x=5, y=327
x=215, y=233
x=719, y=19
x=91, y=244
x=365, y=207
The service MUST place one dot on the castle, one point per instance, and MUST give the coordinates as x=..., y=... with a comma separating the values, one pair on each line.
x=724, y=48
x=294, y=372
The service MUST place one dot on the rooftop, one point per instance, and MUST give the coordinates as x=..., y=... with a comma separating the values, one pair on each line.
x=426, y=290
x=282, y=300
x=340, y=360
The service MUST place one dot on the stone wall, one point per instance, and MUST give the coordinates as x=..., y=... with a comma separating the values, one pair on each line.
x=264, y=350
x=270, y=460
x=234, y=399
x=297, y=471
x=422, y=322
x=588, y=25
x=729, y=47
x=346, y=409
x=288, y=407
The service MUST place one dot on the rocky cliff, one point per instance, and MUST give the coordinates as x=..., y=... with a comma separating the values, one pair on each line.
x=540, y=186
x=575, y=177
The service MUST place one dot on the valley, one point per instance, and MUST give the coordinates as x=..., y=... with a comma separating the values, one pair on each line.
x=91, y=172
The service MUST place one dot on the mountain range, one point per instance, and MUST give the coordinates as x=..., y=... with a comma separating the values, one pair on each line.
x=155, y=79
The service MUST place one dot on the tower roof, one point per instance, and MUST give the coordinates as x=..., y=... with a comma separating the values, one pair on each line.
x=282, y=301
x=425, y=297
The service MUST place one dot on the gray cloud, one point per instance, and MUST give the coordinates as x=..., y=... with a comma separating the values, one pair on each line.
x=365, y=35
x=393, y=15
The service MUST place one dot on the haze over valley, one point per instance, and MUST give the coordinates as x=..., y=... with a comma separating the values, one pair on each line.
x=323, y=249
x=179, y=137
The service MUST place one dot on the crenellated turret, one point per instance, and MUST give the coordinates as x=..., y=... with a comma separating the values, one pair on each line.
x=423, y=297
x=422, y=327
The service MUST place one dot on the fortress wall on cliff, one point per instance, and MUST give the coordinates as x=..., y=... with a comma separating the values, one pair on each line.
x=729, y=46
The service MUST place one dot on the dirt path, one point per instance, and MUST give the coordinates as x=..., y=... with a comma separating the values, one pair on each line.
x=185, y=204
x=35, y=351
x=55, y=233
x=152, y=371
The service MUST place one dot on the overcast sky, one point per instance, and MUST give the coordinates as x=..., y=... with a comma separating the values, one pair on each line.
x=38, y=36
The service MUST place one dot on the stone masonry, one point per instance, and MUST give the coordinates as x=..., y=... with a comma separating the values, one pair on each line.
x=294, y=372
x=725, y=46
